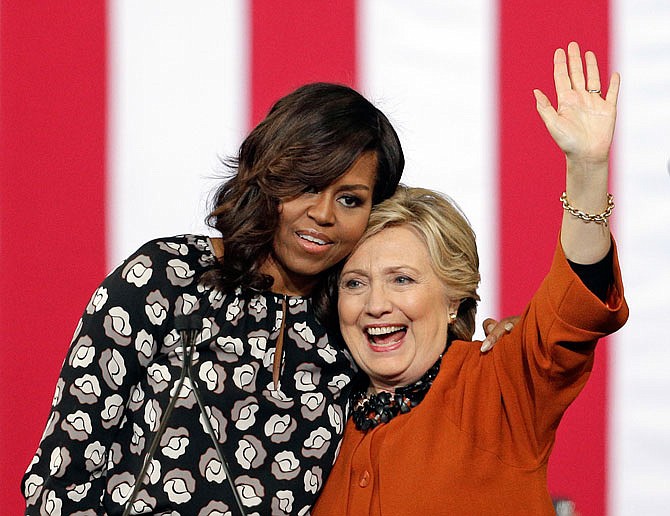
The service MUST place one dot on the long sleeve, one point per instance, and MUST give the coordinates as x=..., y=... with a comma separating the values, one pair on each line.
x=553, y=349
x=117, y=336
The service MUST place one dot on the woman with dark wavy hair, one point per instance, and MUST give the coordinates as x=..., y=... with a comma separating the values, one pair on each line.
x=201, y=378
x=306, y=142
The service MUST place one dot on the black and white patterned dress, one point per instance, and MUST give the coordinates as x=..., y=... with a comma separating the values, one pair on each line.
x=122, y=368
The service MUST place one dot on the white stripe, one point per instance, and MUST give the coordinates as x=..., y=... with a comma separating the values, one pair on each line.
x=640, y=444
x=428, y=65
x=177, y=103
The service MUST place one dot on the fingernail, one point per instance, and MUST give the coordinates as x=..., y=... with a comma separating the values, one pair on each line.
x=490, y=327
x=486, y=345
x=509, y=326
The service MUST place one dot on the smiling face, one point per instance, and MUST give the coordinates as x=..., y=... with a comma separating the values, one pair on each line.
x=318, y=229
x=393, y=308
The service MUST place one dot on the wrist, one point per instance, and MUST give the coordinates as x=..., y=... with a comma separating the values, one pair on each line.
x=599, y=218
x=587, y=165
x=586, y=185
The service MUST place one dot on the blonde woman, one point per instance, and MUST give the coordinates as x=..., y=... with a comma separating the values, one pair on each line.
x=438, y=427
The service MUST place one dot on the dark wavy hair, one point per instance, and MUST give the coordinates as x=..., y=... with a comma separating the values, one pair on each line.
x=309, y=139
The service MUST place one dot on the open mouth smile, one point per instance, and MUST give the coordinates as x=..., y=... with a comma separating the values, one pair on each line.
x=386, y=338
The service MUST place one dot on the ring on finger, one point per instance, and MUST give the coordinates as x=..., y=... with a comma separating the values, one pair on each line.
x=594, y=91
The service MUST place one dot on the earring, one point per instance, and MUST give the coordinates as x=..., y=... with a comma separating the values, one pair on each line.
x=452, y=316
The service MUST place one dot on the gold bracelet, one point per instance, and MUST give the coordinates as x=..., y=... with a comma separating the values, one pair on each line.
x=600, y=218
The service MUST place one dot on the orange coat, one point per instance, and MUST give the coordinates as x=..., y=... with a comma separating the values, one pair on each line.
x=479, y=442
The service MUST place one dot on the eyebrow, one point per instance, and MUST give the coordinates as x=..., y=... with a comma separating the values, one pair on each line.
x=352, y=271
x=393, y=269
x=354, y=187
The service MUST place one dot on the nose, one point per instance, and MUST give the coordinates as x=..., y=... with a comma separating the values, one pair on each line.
x=377, y=302
x=321, y=210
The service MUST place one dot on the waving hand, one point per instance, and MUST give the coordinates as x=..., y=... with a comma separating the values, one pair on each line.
x=582, y=126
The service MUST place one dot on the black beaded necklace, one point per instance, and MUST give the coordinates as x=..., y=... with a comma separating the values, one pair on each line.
x=369, y=410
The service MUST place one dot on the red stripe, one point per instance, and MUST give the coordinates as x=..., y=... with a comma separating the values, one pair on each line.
x=52, y=161
x=298, y=43
x=531, y=179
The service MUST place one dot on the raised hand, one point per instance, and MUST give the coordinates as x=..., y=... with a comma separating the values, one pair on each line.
x=583, y=127
x=583, y=123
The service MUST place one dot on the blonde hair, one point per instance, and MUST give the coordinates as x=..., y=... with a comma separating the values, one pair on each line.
x=450, y=241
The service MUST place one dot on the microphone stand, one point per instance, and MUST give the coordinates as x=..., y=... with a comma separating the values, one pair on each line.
x=188, y=328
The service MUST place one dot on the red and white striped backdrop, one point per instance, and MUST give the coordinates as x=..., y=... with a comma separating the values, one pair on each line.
x=114, y=115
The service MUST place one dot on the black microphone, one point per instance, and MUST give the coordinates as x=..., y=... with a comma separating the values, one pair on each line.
x=188, y=322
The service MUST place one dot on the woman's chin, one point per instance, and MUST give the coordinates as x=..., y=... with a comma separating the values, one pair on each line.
x=388, y=376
